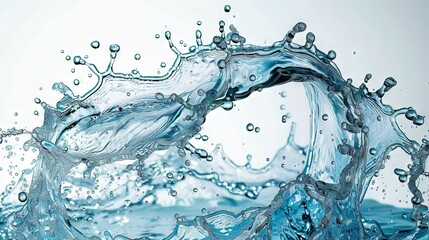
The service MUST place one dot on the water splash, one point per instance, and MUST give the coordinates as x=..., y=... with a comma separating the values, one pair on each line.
x=125, y=144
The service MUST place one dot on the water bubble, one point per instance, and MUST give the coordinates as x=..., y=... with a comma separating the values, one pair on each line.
x=199, y=23
x=163, y=64
x=195, y=189
x=62, y=51
x=250, y=127
x=15, y=114
x=157, y=36
x=137, y=56
x=36, y=112
x=373, y=151
x=252, y=77
x=89, y=199
x=257, y=129
x=365, y=129
x=68, y=58
x=325, y=117
x=173, y=193
x=169, y=175
x=22, y=196
x=282, y=107
x=95, y=44
x=76, y=82
x=37, y=100
x=227, y=8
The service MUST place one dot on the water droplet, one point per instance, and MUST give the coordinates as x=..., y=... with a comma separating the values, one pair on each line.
x=173, y=193
x=332, y=55
x=403, y=178
x=200, y=92
x=201, y=153
x=114, y=48
x=95, y=44
x=163, y=64
x=373, y=151
x=367, y=77
x=250, y=127
x=36, y=112
x=199, y=23
x=159, y=96
x=86, y=175
x=137, y=56
x=68, y=58
x=195, y=189
x=157, y=36
x=252, y=77
x=284, y=119
x=227, y=8
x=257, y=129
x=227, y=105
x=76, y=82
x=325, y=117
x=170, y=175
x=221, y=64
x=22, y=196
x=37, y=100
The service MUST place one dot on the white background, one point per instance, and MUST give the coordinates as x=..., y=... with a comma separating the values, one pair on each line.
x=389, y=38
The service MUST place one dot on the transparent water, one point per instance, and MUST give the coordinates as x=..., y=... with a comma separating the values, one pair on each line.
x=117, y=162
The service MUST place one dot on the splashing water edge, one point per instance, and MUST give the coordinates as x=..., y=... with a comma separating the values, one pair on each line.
x=131, y=130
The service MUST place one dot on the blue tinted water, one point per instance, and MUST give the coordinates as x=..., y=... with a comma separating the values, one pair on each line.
x=116, y=162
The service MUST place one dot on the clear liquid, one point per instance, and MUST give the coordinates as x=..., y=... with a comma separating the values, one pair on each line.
x=117, y=163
